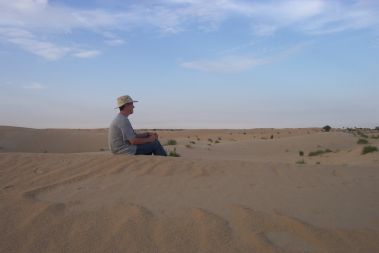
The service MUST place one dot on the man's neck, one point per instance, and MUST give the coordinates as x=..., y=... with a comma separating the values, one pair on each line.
x=125, y=114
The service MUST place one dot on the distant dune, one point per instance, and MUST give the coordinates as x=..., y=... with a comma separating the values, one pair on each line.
x=230, y=191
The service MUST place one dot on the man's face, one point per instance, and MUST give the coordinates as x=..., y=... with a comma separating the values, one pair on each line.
x=129, y=108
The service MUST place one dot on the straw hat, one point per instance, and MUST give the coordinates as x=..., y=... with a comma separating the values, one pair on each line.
x=124, y=100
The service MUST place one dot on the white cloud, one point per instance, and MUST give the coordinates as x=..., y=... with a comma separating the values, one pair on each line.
x=115, y=42
x=112, y=39
x=30, y=43
x=235, y=63
x=229, y=64
x=34, y=86
x=45, y=49
x=269, y=16
x=87, y=54
x=264, y=29
x=38, y=19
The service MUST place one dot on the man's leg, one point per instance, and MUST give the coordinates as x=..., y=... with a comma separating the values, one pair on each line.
x=151, y=148
x=159, y=150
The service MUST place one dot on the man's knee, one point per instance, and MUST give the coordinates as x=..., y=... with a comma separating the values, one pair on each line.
x=157, y=143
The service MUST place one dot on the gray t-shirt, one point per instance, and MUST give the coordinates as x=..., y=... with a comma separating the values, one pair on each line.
x=120, y=132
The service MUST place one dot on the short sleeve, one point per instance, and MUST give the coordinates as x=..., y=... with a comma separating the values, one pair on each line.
x=127, y=130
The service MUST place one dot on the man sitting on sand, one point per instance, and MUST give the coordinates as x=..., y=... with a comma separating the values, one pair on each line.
x=121, y=136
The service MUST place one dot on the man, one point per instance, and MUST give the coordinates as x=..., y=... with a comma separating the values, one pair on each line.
x=121, y=136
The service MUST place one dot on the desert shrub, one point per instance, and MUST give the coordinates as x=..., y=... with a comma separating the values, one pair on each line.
x=369, y=149
x=272, y=137
x=362, y=134
x=319, y=152
x=301, y=153
x=375, y=137
x=362, y=141
x=188, y=146
x=210, y=139
x=171, y=142
x=300, y=161
x=327, y=128
x=192, y=142
x=217, y=141
x=174, y=153
x=219, y=138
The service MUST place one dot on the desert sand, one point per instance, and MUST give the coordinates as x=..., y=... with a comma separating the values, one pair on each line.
x=229, y=191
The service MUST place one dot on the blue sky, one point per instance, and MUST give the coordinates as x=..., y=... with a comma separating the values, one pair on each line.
x=190, y=63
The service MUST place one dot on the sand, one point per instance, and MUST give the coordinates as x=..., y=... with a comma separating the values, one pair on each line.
x=241, y=191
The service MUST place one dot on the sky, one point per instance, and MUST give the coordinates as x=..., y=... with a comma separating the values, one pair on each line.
x=190, y=63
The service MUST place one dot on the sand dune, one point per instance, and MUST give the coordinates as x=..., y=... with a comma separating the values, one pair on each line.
x=244, y=194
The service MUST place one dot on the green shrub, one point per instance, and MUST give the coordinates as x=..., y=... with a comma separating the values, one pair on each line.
x=375, y=137
x=300, y=161
x=327, y=128
x=174, y=153
x=319, y=152
x=369, y=149
x=362, y=141
x=171, y=142
x=362, y=134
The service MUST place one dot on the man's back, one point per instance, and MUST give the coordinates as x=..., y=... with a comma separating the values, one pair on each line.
x=120, y=132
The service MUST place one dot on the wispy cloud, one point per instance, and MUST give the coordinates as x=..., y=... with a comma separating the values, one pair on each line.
x=115, y=42
x=229, y=64
x=113, y=39
x=48, y=50
x=237, y=63
x=30, y=43
x=87, y=54
x=27, y=23
x=312, y=16
x=34, y=86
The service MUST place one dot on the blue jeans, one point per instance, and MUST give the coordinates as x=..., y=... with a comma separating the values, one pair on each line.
x=150, y=149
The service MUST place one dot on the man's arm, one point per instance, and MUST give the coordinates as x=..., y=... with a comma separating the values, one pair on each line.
x=142, y=135
x=142, y=140
x=146, y=134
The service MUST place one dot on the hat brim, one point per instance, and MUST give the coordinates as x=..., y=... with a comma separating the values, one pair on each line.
x=134, y=101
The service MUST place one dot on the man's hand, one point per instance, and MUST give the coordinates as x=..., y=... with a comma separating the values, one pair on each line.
x=153, y=134
x=153, y=137
x=144, y=138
